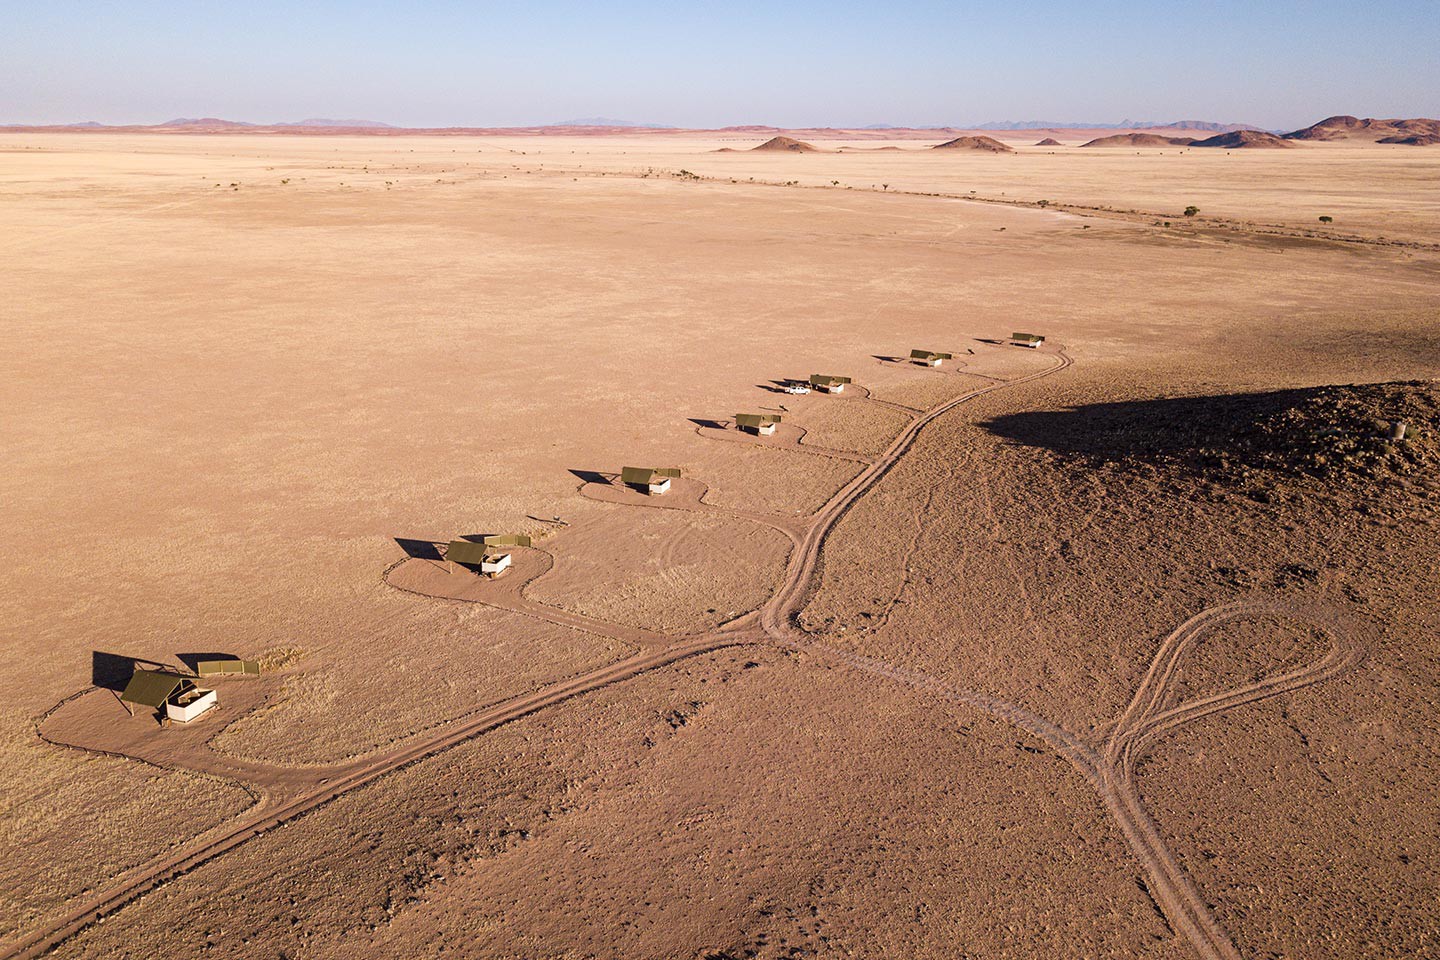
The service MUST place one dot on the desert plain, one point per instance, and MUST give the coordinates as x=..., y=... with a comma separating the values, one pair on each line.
x=1120, y=647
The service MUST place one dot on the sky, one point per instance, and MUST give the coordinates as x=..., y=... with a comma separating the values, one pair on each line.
x=1275, y=63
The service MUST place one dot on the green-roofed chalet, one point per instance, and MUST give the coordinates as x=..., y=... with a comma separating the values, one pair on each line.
x=762, y=424
x=931, y=358
x=828, y=382
x=652, y=480
x=489, y=556
x=152, y=688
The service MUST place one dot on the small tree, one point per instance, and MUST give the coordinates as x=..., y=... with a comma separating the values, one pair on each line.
x=884, y=186
x=1191, y=211
x=1327, y=219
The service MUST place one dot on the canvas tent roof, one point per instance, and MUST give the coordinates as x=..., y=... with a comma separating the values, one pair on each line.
x=211, y=668
x=646, y=474
x=507, y=540
x=755, y=419
x=466, y=551
x=929, y=355
x=823, y=379
x=470, y=552
x=151, y=688
x=1027, y=337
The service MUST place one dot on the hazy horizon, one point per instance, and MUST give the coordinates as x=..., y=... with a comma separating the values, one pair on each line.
x=921, y=63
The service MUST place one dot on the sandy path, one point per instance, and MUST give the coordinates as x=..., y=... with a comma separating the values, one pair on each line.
x=290, y=792
x=270, y=813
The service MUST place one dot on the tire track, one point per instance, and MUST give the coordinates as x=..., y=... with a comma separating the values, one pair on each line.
x=260, y=821
x=1109, y=768
x=775, y=621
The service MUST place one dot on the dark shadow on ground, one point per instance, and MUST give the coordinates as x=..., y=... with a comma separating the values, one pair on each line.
x=1165, y=429
x=712, y=424
x=1316, y=431
x=419, y=549
x=884, y=359
x=594, y=476
x=112, y=671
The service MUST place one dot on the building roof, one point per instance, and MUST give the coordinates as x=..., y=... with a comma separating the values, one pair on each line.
x=825, y=379
x=473, y=553
x=647, y=474
x=1027, y=337
x=151, y=688
x=466, y=551
x=755, y=419
x=930, y=355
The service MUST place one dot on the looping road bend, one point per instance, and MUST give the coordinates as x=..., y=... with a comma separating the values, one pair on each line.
x=1108, y=766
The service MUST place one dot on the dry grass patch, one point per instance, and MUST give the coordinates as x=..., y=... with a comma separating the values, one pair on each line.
x=73, y=821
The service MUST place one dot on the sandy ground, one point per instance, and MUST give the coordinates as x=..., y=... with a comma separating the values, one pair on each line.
x=228, y=403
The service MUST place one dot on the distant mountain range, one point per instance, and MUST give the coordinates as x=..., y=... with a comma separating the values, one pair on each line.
x=321, y=122
x=217, y=122
x=608, y=122
x=1417, y=131
x=203, y=122
x=1209, y=125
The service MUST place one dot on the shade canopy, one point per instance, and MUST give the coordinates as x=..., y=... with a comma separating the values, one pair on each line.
x=473, y=553
x=755, y=419
x=211, y=668
x=930, y=355
x=507, y=540
x=151, y=688
x=647, y=475
x=826, y=380
x=1028, y=337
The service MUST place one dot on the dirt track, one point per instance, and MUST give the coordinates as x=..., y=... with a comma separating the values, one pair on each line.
x=1109, y=767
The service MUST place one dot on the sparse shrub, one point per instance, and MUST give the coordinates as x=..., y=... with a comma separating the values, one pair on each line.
x=1191, y=211
x=1327, y=219
x=1042, y=203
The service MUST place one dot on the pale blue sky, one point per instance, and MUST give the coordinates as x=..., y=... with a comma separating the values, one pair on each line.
x=1283, y=63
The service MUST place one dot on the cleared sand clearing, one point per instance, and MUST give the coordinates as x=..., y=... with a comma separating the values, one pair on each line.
x=227, y=403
